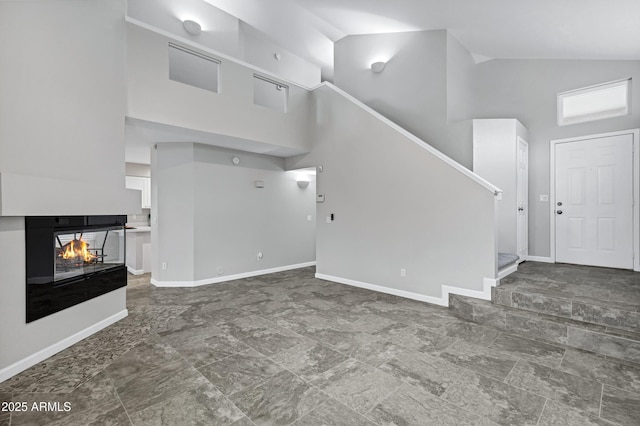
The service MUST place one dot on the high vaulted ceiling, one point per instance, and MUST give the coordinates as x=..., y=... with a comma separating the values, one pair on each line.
x=541, y=29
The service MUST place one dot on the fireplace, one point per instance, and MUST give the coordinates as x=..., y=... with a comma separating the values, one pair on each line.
x=72, y=259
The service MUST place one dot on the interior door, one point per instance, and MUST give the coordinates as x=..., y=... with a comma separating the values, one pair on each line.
x=594, y=201
x=522, y=200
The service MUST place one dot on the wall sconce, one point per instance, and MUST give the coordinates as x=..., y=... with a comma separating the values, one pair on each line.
x=192, y=27
x=302, y=184
x=378, y=67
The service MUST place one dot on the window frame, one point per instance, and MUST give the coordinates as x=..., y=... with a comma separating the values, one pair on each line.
x=600, y=115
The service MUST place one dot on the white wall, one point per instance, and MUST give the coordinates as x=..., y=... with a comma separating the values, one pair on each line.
x=227, y=34
x=526, y=89
x=220, y=31
x=153, y=97
x=63, y=95
x=460, y=100
x=396, y=206
x=61, y=120
x=172, y=212
x=426, y=86
x=412, y=89
x=212, y=220
x=495, y=158
x=259, y=50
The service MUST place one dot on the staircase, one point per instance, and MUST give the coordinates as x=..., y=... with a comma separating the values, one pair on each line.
x=594, y=309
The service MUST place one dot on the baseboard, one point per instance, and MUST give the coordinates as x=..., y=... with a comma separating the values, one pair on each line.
x=135, y=271
x=485, y=293
x=382, y=289
x=507, y=271
x=225, y=278
x=541, y=259
x=47, y=352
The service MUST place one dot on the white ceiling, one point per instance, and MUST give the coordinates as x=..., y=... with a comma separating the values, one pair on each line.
x=541, y=29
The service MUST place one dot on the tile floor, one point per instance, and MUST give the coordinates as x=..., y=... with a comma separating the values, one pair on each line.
x=289, y=349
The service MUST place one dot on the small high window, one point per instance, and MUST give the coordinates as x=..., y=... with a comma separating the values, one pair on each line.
x=594, y=103
x=193, y=68
x=270, y=93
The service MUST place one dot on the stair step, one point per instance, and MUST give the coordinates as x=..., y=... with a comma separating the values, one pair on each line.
x=600, y=339
x=537, y=297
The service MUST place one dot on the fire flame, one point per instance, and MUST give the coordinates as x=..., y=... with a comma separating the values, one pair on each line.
x=77, y=249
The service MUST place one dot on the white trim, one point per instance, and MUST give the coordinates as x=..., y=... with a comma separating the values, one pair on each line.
x=541, y=259
x=441, y=301
x=135, y=271
x=636, y=189
x=382, y=289
x=225, y=278
x=413, y=138
x=49, y=351
x=594, y=116
x=484, y=294
x=508, y=270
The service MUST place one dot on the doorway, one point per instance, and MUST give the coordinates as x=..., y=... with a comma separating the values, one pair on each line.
x=593, y=217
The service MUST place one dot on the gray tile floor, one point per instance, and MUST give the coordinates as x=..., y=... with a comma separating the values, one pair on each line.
x=288, y=349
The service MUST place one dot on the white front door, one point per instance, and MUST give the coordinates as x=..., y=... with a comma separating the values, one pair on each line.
x=594, y=201
x=522, y=200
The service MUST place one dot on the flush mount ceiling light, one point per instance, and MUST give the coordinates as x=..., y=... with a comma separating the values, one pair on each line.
x=377, y=67
x=192, y=27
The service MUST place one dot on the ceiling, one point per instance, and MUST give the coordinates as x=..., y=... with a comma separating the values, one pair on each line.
x=540, y=29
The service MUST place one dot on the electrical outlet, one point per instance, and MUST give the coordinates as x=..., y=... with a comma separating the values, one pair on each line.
x=403, y=272
x=164, y=265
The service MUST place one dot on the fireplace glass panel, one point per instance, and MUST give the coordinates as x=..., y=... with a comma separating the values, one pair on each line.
x=78, y=253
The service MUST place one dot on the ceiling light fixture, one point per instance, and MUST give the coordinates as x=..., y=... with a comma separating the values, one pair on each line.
x=192, y=27
x=377, y=67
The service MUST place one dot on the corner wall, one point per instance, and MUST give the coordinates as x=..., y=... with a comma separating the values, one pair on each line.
x=396, y=206
x=213, y=221
x=412, y=89
x=426, y=86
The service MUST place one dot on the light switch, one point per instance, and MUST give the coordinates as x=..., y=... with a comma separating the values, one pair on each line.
x=309, y=218
x=328, y=219
x=544, y=198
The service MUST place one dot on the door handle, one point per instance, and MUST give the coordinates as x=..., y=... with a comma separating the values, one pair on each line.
x=559, y=211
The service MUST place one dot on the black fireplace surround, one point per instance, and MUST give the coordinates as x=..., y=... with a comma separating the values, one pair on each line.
x=72, y=259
